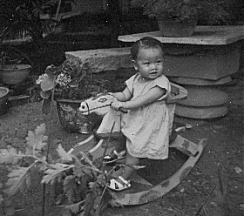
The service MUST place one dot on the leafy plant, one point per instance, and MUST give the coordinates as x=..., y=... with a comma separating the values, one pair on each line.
x=6, y=59
x=64, y=81
x=83, y=183
x=68, y=81
x=184, y=10
x=21, y=18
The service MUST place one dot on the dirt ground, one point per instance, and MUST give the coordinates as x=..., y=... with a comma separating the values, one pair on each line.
x=220, y=167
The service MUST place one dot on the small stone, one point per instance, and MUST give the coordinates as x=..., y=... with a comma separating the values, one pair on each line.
x=238, y=170
x=182, y=190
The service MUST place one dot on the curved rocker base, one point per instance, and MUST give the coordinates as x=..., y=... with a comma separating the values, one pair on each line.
x=157, y=191
x=126, y=198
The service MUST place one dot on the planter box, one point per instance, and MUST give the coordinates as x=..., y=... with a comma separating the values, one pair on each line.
x=170, y=28
x=14, y=74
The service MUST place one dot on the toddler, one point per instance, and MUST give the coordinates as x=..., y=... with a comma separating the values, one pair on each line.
x=146, y=125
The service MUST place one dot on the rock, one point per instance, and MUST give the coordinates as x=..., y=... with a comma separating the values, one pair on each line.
x=102, y=59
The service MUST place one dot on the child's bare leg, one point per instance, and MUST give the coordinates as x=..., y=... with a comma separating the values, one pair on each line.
x=128, y=170
x=118, y=152
x=120, y=179
x=120, y=145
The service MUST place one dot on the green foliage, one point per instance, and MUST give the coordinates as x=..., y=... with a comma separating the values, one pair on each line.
x=70, y=80
x=36, y=141
x=184, y=10
x=18, y=179
x=22, y=163
x=19, y=176
x=8, y=155
x=19, y=18
x=83, y=184
x=62, y=79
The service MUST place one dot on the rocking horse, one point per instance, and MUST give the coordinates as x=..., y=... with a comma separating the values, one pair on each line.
x=100, y=104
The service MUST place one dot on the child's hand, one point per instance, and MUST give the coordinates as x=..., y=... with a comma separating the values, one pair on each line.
x=116, y=104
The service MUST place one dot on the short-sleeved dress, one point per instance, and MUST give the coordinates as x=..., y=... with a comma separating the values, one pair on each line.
x=147, y=128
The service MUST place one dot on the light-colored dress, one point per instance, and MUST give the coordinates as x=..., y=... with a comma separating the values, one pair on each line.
x=147, y=128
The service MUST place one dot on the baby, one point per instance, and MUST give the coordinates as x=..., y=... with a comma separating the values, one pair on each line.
x=146, y=125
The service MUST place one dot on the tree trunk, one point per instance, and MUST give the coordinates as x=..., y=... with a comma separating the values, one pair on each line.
x=115, y=12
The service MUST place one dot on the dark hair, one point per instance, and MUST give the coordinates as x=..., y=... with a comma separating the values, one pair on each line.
x=145, y=42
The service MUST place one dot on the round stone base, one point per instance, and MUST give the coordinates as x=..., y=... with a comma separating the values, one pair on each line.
x=204, y=97
x=203, y=103
x=200, y=82
x=201, y=113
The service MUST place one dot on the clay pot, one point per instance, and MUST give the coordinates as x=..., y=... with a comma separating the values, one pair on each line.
x=74, y=121
x=15, y=73
x=3, y=99
x=69, y=117
x=171, y=28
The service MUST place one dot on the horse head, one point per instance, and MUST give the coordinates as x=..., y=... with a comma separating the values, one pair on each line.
x=99, y=104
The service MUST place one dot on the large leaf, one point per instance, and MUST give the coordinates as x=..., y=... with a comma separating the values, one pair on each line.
x=48, y=83
x=76, y=208
x=63, y=154
x=18, y=179
x=69, y=186
x=36, y=141
x=78, y=168
x=54, y=172
x=9, y=156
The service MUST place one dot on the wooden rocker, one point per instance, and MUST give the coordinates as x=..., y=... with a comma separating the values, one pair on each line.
x=100, y=105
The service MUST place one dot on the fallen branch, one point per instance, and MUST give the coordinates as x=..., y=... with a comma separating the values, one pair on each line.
x=205, y=201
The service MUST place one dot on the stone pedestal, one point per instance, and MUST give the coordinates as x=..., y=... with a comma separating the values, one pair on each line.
x=203, y=103
x=201, y=70
x=200, y=63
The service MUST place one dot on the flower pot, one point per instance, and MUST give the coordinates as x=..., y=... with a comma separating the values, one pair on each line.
x=15, y=73
x=3, y=99
x=69, y=116
x=171, y=28
x=72, y=120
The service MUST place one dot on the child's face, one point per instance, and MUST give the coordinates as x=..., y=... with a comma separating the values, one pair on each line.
x=150, y=62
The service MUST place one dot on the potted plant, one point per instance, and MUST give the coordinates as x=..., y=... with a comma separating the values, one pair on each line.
x=69, y=84
x=18, y=20
x=65, y=85
x=179, y=17
x=23, y=21
x=12, y=70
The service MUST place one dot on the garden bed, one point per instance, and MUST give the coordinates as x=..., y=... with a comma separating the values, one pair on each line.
x=220, y=165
